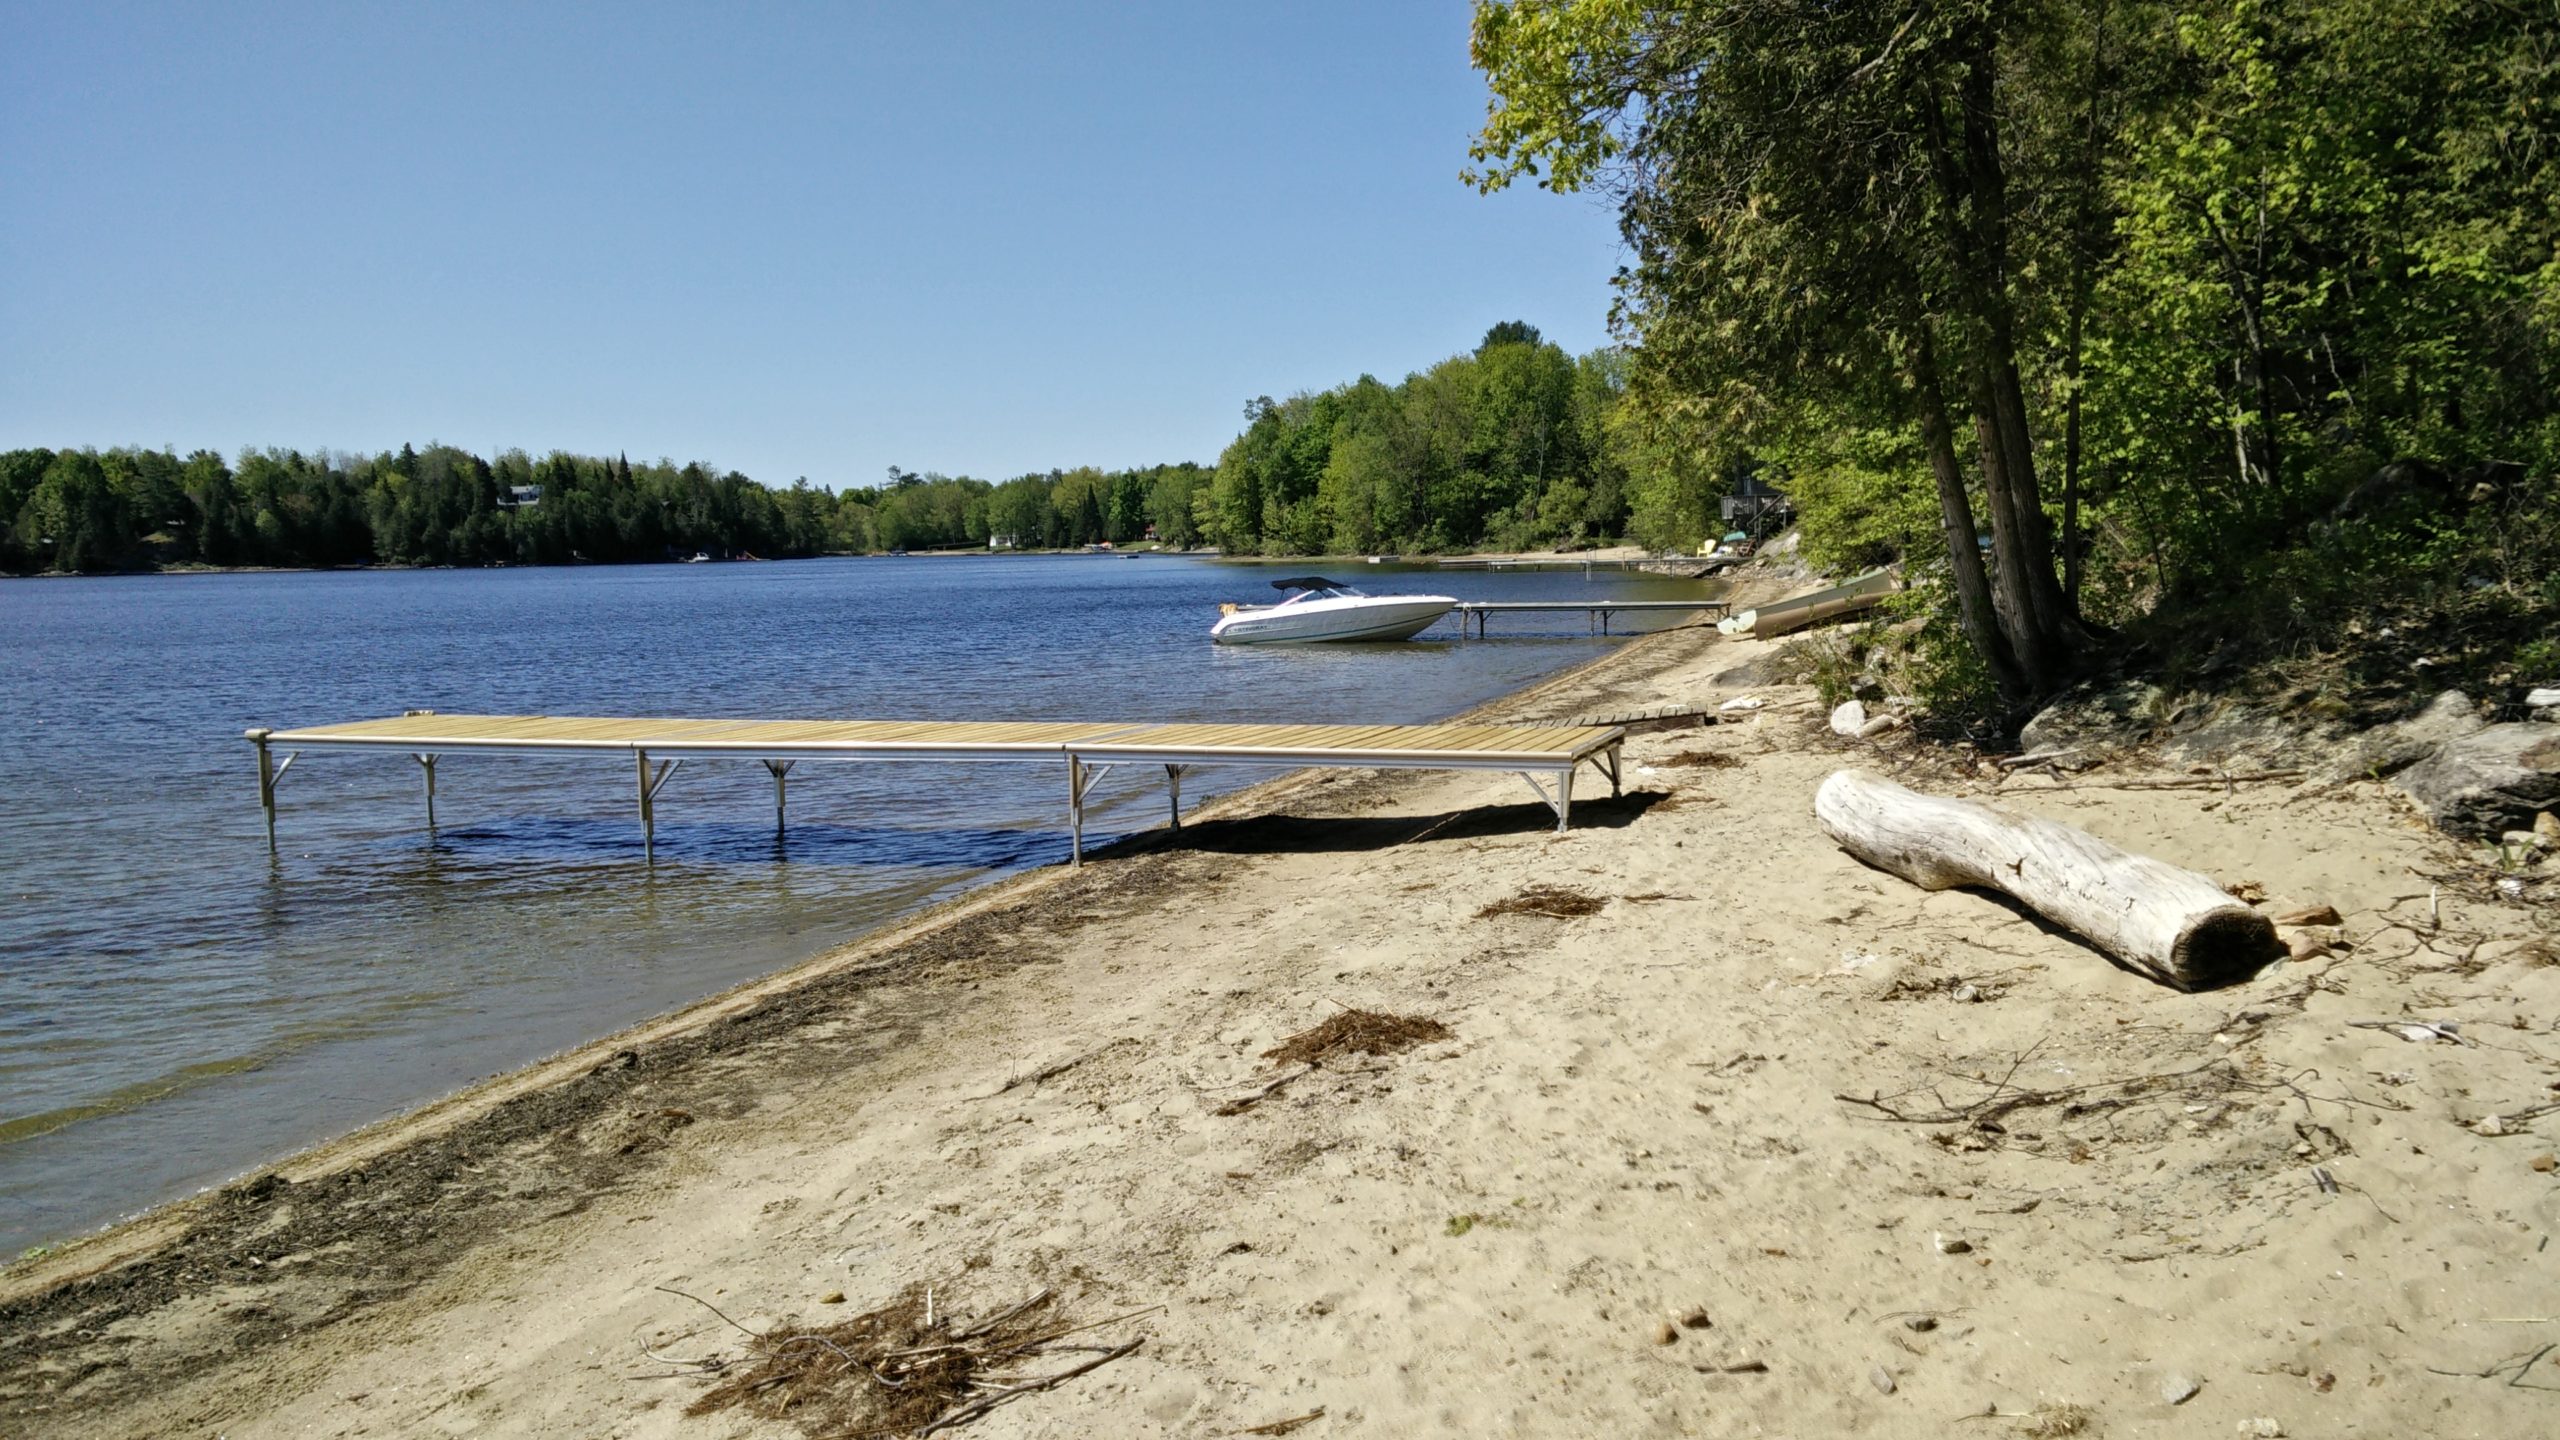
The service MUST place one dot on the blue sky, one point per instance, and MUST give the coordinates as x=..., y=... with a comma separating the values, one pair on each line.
x=790, y=239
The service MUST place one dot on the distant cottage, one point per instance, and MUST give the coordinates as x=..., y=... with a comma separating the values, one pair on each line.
x=1753, y=498
x=519, y=495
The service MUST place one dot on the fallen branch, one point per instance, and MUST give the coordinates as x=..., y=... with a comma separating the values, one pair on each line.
x=1039, y=1077
x=2190, y=782
x=2521, y=1368
x=1238, y=1107
x=2002, y=1097
x=707, y=1305
x=2041, y=757
x=982, y=1405
x=1282, y=1427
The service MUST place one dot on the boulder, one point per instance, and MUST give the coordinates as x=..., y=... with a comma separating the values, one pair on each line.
x=2095, y=717
x=2389, y=749
x=2230, y=733
x=2485, y=783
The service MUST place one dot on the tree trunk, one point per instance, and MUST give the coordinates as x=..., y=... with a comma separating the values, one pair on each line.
x=1974, y=607
x=2172, y=925
x=2043, y=662
x=2084, y=240
x=2043, y=629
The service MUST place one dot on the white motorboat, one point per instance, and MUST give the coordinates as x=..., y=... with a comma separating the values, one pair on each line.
x=1321, y=609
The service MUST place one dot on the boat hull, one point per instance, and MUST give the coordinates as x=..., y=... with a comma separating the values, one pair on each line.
x=1333, y=623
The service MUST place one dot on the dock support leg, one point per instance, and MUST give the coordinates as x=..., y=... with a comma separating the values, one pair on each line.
x=270, y=770
x=650, y=784
x=427, y=763
x=1173, y=788
x=648, y=819
x=779, y=768
x=267, y=790
x=1080, y=778
x=1562, y=800
x=1075, y=811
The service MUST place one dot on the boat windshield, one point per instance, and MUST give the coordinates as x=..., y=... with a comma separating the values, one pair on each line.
x=1314, y=587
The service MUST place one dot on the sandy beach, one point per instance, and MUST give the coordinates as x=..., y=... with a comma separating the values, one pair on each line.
x=1738, y=1137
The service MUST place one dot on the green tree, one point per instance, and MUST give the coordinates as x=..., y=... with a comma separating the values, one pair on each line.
x=1820, y=196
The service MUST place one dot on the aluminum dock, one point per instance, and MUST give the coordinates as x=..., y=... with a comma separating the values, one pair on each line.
x=1084, y=750
x=1597, y=611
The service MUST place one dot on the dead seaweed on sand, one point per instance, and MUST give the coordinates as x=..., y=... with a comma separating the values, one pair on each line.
x=904, y=1369
x=1700, y=760
x=1679, y=800
x=1357, y=1032
x=1556, y=902
x=1348, y=1032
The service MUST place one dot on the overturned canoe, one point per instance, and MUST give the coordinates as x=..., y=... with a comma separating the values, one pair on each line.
x=1782, y=616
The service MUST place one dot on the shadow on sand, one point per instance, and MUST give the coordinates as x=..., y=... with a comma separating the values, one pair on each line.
x=1337, y=834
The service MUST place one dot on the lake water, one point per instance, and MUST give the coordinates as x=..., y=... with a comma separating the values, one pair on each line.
x=177, y=1006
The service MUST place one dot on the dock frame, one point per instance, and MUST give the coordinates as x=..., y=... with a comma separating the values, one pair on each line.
x=1547, y=757
x=1596, y=612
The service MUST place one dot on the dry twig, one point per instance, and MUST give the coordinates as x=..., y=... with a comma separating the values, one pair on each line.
x=2192, y=782
x=1042, y=1076
x=1282, y=1427
x=1239, y=1106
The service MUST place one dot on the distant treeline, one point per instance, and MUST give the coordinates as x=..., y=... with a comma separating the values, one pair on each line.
x=1515, y=446
x=94, y=510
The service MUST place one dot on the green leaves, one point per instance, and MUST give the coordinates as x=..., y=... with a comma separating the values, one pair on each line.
x=1562, y=73
x=2261, y=247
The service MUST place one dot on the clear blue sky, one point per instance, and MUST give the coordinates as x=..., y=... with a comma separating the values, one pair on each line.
x=790, y=239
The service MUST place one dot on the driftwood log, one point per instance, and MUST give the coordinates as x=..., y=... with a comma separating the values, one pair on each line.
x=2172, y=925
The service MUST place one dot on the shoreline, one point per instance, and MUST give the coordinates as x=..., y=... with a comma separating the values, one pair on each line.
x=115, y=1243
x=1633, y=1191
x=71, y=1191
x=1609, y=554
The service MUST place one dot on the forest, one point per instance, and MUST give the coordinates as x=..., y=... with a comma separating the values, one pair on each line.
x=2224, y=328
x=126, y=509
x=1510, y=445
x=1515, y=445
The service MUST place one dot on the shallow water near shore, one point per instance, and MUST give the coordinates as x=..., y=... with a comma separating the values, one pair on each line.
x=176, y=1006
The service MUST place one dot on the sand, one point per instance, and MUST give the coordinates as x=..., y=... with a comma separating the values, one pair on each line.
x=1635, y=1192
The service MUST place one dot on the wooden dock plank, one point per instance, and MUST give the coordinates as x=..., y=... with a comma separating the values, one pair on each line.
x=1557, y=750
x=1210, y=739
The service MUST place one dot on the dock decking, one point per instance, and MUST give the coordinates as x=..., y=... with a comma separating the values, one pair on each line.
x=1086, y=749
x=1599, y=610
